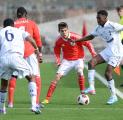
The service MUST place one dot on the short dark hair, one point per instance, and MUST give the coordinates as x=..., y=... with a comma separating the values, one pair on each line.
x=103, y=12
x=119, y=8
x=21, y=11
x=62, y=25
x=8, y=22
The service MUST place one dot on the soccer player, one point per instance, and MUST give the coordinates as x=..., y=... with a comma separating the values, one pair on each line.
x=120, y=13
x=29, y=54
x=112, y=54
x=73, y=54
x=12, y=61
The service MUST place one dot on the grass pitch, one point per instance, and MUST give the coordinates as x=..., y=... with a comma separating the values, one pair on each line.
x=63, y=105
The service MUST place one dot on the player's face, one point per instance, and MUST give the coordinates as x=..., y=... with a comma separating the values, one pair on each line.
x=101, y=19
x=120, y=12
x=64, y=32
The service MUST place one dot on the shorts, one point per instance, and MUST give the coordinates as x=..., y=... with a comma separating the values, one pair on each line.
x=110, y=58
x=67, y=65
x=11, y=63
x=33, y=62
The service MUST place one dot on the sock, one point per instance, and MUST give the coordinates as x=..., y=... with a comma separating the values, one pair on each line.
x=81, y=83
x=51, y=90
x=2, y=99
x=111, y=86
x=33, y=93
x=38, y=84
x=11, y=89
x=91, y=75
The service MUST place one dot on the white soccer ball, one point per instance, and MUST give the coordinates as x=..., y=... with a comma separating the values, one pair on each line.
x=83, y=99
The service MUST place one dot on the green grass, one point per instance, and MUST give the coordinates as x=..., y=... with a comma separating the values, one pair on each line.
x=64, y=105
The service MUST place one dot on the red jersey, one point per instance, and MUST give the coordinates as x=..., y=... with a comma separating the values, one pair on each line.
x=31, y=27
x=69, y=51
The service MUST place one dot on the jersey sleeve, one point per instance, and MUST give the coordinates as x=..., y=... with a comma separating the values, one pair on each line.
x=94, y=32
x=57, y=51
x=117, y=27
x=36, y=35
x=25, y=34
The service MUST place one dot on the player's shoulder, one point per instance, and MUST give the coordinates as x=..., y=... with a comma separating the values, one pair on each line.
x=74, y=34
x=31, y=21
x=58, y=39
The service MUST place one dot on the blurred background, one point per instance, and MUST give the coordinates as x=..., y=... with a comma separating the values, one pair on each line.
x=48, y=13
x=49, y=10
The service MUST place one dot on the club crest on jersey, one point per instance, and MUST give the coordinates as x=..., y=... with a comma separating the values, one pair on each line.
x=63, y=45
x=72, y=43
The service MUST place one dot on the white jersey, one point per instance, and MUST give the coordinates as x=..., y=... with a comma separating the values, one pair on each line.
x=12, y=40
x=110, y=34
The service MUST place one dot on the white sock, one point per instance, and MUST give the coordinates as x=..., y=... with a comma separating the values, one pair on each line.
x=2, y=99
x=111, y=86
x=91, y=75
x=33, y=93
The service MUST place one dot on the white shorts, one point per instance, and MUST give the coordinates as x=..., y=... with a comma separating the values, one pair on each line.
x=66, y=66
x=33, y=62
x=11, y=63
x=109, y=57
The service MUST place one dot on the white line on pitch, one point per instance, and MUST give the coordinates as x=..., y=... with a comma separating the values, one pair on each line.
x=73, y=108
x=104, y=81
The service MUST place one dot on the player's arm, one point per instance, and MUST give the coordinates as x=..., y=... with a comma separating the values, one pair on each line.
x=37, y=38
x=57, y=52
x=30, y=39
x=86, y=38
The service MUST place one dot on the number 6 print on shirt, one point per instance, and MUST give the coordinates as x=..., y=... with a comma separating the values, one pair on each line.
x=9, y=36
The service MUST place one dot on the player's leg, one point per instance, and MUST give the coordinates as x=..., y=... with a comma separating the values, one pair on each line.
x=113, y=62
x=111, y=84
x=3, y=92
x=81, y=80
x=91, y=73
x=24, y=70
x=64, y=68
x=32, y=91
x=11, y=90
x=52, y=88
x=5, y=75
x=38, y=85
x=32, y=61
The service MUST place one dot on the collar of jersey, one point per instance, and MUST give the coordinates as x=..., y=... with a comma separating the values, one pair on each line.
x=68, y=37
x=105, y=24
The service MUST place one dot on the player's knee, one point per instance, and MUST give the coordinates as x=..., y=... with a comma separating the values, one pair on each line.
x=30, y=78
x=4, y=84
x=57, y=78
x=91, y=64
x=80, y=71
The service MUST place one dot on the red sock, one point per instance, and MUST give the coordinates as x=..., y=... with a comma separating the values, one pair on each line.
x=38, y=84
x=51, y=90
x=81, y=82
x=11, y=89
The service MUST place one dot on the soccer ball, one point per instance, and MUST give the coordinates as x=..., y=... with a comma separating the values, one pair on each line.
x=83, y=99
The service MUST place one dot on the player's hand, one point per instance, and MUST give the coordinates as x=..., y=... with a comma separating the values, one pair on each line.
x=94, y=54
x=58, y=64
x=40, y=60
x=72, y=42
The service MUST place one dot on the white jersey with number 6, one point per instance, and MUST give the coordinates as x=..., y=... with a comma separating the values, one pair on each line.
x=10, y=37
